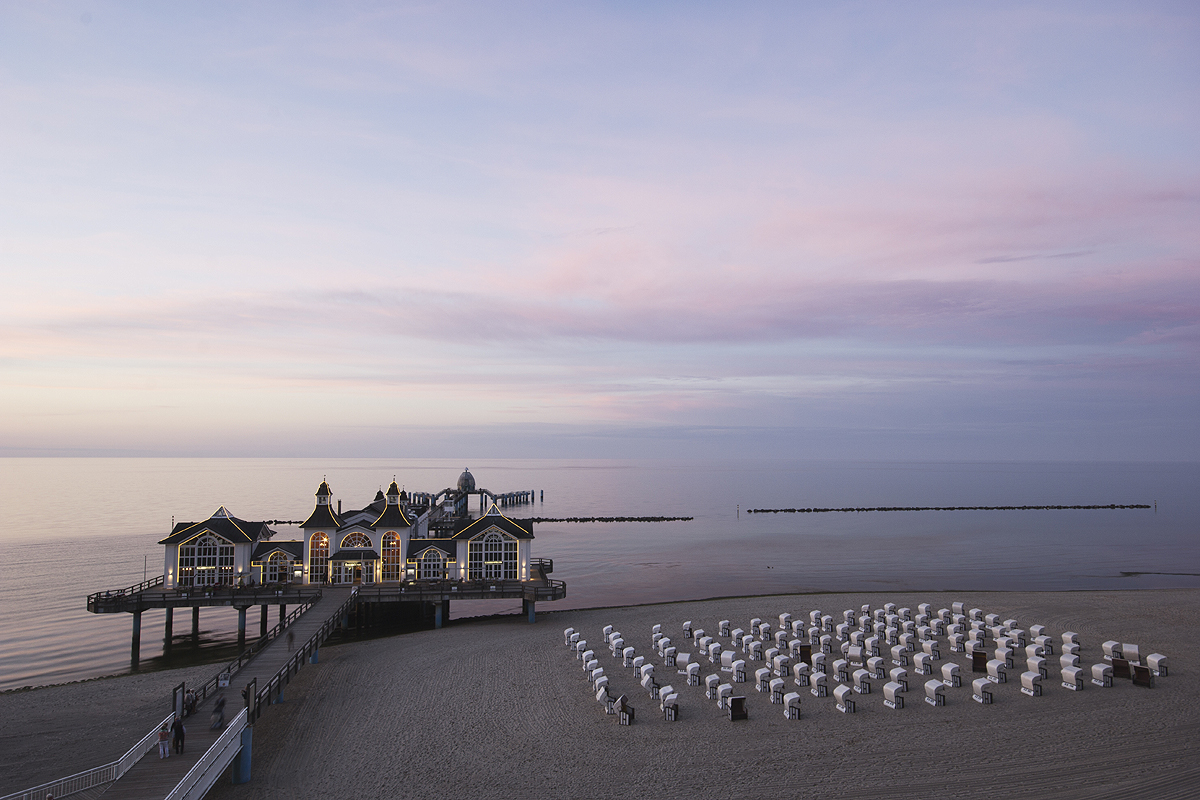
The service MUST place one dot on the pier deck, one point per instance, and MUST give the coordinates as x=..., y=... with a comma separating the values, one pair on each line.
x=153, y=778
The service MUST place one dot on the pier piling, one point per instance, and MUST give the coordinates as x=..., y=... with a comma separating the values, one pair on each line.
x=167, y=629
x=262, y=621
x=241, y=626
x=195, y=624
x=135, y=648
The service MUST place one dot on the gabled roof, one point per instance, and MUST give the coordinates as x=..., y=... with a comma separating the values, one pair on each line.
x=322, y=517
x=392, y=517
x=467, y=529
x=223, y=524
x=418, y=546
x=263, y=550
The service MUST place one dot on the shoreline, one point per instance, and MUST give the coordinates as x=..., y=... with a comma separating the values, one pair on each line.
x=501, y=703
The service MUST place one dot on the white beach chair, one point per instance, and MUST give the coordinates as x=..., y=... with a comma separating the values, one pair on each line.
x=1031, y=684
x=826, y=643
x=764, y=632
x=638, y=661
x=889, y=608
x=1039, y=665
x=783, y=665
x=922, y=664
x=791, y=705
x=842, y=632
x=899, y=675
x=687, y=629
x=669, y=656
x=800, y=671
x=736, y=637
x=714, y=652
x=818, y=663
x=854, y=654
x=935, y=693
x=932, y=649
x=628, y=654
x=769, y=655
x=845, y=699
x=711, y=682
x=1070, y=649
x=1070, y=637
x=724, y=692
x=1068, y=660
x=650, y=686
x=876, y=667
x=580, y=648
x=645, y=669
x=1157, y=663
x=1035, y=651
x=588, y=657
x=727, y=659
x=951, y=675
x=841, y=670
x=1005, y=654
x=567, y=636
x=827, y=623
x=739, y=671
x=900, y=655
x=997, y=671
x=1044, y=642
x=981, y=691
x=1018, y=635
x=702, y=642
x=754, y=626
x=693, y=674
x=777, y=687
x=607, y=631
x=862, y=681
x=785, y=622
x=814, y=618
x=1102, y=675
x=871, y=645
x=893, y=695
x=754, y=650
x=991, y=620
x=1131, y=653
x=616, y=645
x=723, y=628
x=819, y=685
x=957, y=608
x=762, y=679
x=1073, y=679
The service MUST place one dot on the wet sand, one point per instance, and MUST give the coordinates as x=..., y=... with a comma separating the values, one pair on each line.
x=500, y=708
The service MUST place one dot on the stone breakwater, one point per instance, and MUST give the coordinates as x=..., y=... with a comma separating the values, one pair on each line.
x=1112, y=506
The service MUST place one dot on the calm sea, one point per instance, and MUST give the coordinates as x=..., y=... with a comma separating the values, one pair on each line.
x=75, y=526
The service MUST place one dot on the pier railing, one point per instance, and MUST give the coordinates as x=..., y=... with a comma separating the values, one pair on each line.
x=214, y=683
x=141, y=587
x=97, y=776
x=204, y=773
x=284, y=676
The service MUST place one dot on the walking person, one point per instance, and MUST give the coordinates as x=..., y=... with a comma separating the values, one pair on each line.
x=218, y=712
x=164, y=742
x=177, y=734
x=291, y=640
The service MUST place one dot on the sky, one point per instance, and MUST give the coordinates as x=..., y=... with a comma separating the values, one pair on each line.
x=926, y=231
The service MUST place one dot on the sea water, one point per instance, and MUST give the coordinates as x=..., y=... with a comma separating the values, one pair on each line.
x=76, y=526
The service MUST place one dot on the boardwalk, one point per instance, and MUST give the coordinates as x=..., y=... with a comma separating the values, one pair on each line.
x=153, y=778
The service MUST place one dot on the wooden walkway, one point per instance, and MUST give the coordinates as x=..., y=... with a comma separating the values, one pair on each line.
x=153, y=778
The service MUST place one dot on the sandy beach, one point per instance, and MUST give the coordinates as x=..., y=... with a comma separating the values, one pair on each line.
x=499, y=708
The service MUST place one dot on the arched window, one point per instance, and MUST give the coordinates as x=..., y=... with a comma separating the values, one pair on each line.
x=279, y=568
x=356, y=540
x=432, y=564
x=393, y=557
x=206, y=560
x=492, y=556
x=318, y=558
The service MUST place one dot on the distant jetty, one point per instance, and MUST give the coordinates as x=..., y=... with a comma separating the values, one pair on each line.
x=1112, y=506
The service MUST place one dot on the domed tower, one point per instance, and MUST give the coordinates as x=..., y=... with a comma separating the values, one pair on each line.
x=466, y=482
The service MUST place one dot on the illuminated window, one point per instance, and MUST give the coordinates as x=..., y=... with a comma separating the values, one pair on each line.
x=431, y=565
x=279, y=568
x=393, y=558
x=206, y=561
x=356, y=540
x=318, y=558
x=492, y=556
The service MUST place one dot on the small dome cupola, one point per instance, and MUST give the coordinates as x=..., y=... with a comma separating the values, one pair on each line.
x=323, y=494
x=466, y=482
x=393, y=494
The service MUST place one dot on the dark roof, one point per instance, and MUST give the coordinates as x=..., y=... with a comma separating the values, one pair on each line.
x=263, y=550
x=418, y=546
x=392, y=517
x=467, y=529
x=355, y=555
x=324, y=489
x=229, y=528
x=322, y=517
x=379, y=496
x=393, y=490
